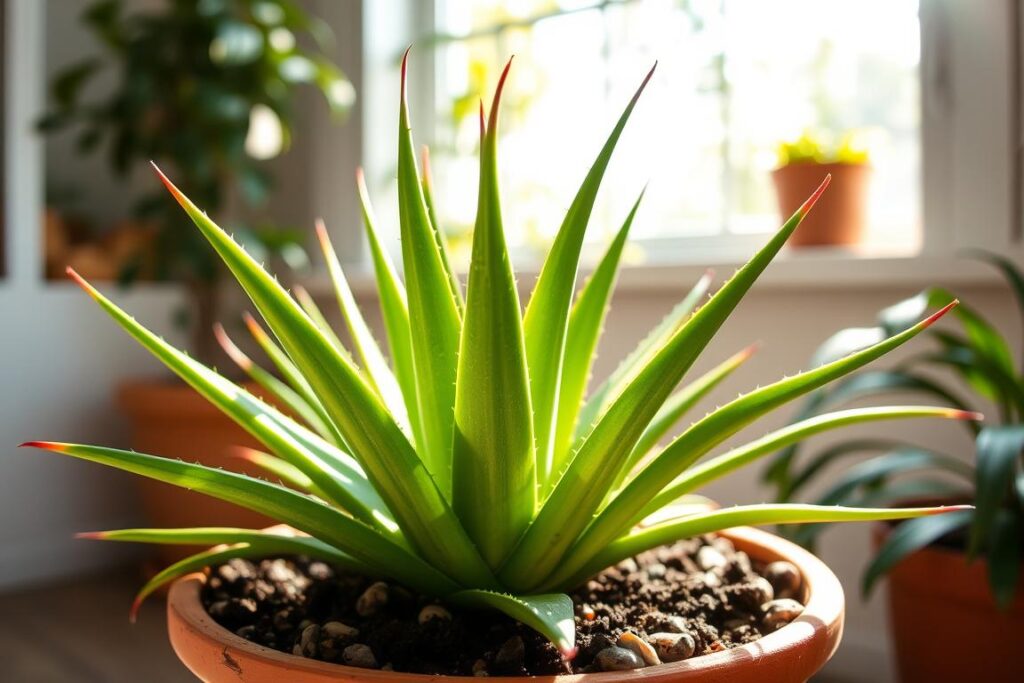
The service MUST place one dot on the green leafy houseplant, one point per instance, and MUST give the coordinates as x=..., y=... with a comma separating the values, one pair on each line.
x=814, y=148
x=473, y=469
x=192, y=78
x=979, y=356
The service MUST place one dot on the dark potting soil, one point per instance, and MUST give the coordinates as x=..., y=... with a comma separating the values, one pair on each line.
x=692, y=598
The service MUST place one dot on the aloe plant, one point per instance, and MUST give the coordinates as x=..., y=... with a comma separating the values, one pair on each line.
x=471, y=467
x=980, y=357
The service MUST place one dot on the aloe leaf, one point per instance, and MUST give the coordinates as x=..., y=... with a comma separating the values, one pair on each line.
x=433, y=314
x=547, y=313
x=309, y=306
x=287, y=473
x=742, y=456
x=293, y=376
x=1003, y=556
x=289, y=507
x=999, y=456
x=583, y=486
x=377, y=369
x=551, y=615
x=627, y=370
x=585, y=324
x=893, y=493
x=376, y=440
x=493, y=485
x=679, y=404
x=717, y=426
x=859, y=386
x=726, y=518
x=281, y=392
x=442, y=243
x=907, y=538
x=395, y=313
x=193, y=563
x=337, y=474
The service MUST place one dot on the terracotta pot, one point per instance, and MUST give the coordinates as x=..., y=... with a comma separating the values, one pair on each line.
x=169, y=418
x=944, y=622
x=839, y=216
x=791, y=654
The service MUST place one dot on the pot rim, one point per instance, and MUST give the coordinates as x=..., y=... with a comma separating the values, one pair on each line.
x=817, y=630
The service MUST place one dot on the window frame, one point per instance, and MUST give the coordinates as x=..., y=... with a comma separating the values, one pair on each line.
x=971, y=128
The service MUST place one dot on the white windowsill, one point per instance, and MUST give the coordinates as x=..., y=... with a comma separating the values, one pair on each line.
x=822, y=268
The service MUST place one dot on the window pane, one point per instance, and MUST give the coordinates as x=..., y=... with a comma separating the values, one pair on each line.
x=735, y=77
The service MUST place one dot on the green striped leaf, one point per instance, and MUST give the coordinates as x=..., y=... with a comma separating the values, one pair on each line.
x=494, y=489
x=547, y=313
x=740, y=515
x=596, y=464
x=684, y=451
x=337, y=474
x=585, y=324
x=373, y=361
x=376, y=440
x=289, y=507
x=433, y=314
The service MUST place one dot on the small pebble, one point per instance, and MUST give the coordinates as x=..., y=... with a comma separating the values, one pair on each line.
x=372, y=600
x=480, y=668
x=656, y=570
x=618, y=659
x=309, y=641
x=675, y=624
x=763, y=590
x=723, y=544
x=673, y=647
x=433, y=612
x=336, y=629
x=511, y=653
x=628, y=565
x=785, y=579
x=711, y=559
x=359, y=655
x=632, y=641
x=588, y=612
x=712, y=579
x=778, y=613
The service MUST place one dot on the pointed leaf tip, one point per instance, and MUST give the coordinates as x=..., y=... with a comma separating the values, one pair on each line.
x=972, y=415
x=81, y=282
x=229, y=347
x=45, y=445
x=934, y=317
x=91, y=535
x=133, y=612
x=945, y=509
x=813, y=199
x=171, y=187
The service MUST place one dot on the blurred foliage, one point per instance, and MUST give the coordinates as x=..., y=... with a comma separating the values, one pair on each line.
x=193, y=79
x=812, y=147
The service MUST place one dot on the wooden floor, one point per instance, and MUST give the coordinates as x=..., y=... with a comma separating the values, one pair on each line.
x=79, y=632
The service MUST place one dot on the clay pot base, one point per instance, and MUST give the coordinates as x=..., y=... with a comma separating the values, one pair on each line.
x=793, y=653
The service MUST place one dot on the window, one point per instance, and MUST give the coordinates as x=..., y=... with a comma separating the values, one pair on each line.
x=735, y=77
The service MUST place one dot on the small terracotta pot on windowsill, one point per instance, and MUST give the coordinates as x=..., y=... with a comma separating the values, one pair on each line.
x=840, y=216
x=790, y=655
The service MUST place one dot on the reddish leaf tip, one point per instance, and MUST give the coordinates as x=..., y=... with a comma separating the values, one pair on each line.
x=91, y=535
x=321, y=234
x=569, y=652
x=45, y=445
x=254, y=326
x=133, y=613
x=749, y=351
x=972, y=415
x=171, y=187
x=229, y=347
x=934, y=317
x=425, y=162
x=950, y=508
x=813, y=199
x=81, y=282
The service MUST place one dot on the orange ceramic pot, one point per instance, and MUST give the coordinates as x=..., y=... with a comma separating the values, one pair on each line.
x=944, y=622
x=171, y=419
x=840, y=216
x=790, y=655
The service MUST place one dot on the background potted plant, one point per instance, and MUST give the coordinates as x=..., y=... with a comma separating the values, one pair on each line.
x=964, y=568
x=842, y=215
x=474, y=472
x=207, y=89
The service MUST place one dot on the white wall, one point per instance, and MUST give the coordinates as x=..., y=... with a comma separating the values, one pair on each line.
x=60, y=357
